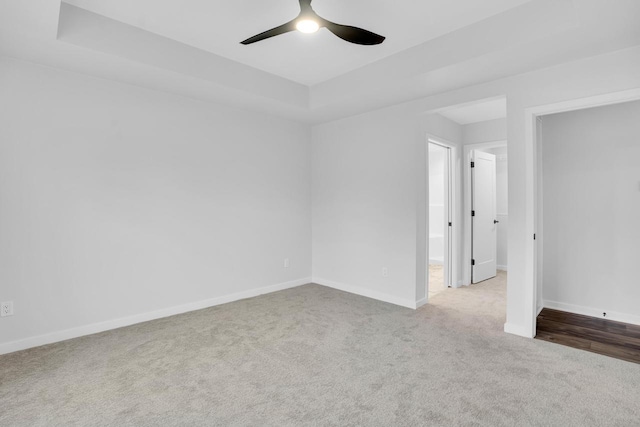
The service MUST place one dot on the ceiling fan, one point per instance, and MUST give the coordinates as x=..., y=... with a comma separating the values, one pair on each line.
x=308, y=21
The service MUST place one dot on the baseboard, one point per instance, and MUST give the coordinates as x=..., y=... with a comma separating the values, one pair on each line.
x=53, y=337
x=364, y=292
x=539, y=310
x=421, y=302
x=513, y=329
x=593, y=312
x=502, y=268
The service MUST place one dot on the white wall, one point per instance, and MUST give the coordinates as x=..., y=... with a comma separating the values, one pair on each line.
x=481, y=132
x=369, y=191
x=369, y=175
x=364, y=206
x=117, y=201
x=591, y=217
x=382, y=145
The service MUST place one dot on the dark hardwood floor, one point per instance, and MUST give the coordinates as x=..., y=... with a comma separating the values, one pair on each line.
x=614, y=339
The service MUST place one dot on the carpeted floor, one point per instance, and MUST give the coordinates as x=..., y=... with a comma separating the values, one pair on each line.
x=436, y=279
x=317, y=356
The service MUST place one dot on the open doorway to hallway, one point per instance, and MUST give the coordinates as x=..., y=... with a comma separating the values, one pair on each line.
x=440, y=217
x=479, y=129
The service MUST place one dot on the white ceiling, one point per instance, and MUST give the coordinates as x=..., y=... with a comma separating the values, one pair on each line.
x=478, y=112
x=219, y=26
x=191, y=47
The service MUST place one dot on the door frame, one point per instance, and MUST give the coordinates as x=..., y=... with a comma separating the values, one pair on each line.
x=452, y=250
x=468, y=204
x=533, y=194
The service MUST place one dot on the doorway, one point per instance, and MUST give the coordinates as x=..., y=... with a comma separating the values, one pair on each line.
x=531, y=295
x=440, y=217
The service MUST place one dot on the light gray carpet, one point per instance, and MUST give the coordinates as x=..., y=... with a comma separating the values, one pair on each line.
x=316, y=356
x=436, y=279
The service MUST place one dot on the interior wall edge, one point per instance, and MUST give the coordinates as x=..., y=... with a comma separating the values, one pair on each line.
x=519, y=330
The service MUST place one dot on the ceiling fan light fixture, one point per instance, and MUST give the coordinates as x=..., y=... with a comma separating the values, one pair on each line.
x=308, y=21
x=307, y=26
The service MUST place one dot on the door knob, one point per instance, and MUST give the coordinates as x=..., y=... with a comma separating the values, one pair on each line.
x=495, y=221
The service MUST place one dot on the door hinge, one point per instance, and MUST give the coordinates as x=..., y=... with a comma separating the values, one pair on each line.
x=450, y=224
x=473, y=262
x=534, y=237
x=473, y=213
x=473, y=164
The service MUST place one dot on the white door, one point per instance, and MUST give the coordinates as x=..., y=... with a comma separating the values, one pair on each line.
x=447, y=226
x=484, y=222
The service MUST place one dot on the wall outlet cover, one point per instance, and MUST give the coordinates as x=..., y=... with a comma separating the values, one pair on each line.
x=6, y=309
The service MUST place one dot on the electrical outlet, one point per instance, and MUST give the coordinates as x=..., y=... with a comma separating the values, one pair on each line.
x=6, y=309
x=385, y=272
x=286, y=263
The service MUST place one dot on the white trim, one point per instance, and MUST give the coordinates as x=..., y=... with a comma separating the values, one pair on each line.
x=364, y=292
x=95, y=328
x=538, y=263
x=422, y=302
x=438, y=141
x=514, y=329
x=532, y=218
x=584, y=103
x=502, y=268
x=593, y=312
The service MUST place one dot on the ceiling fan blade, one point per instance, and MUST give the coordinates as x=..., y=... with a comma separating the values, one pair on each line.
x=284, y=28
x=353, y=34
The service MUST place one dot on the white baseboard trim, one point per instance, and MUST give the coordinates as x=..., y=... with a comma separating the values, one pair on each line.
x=593, y=312
x=539, y=310
x=514, y=329
x=364, y=292
x=53, y=337
x=421, y=302
x=502, y=268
